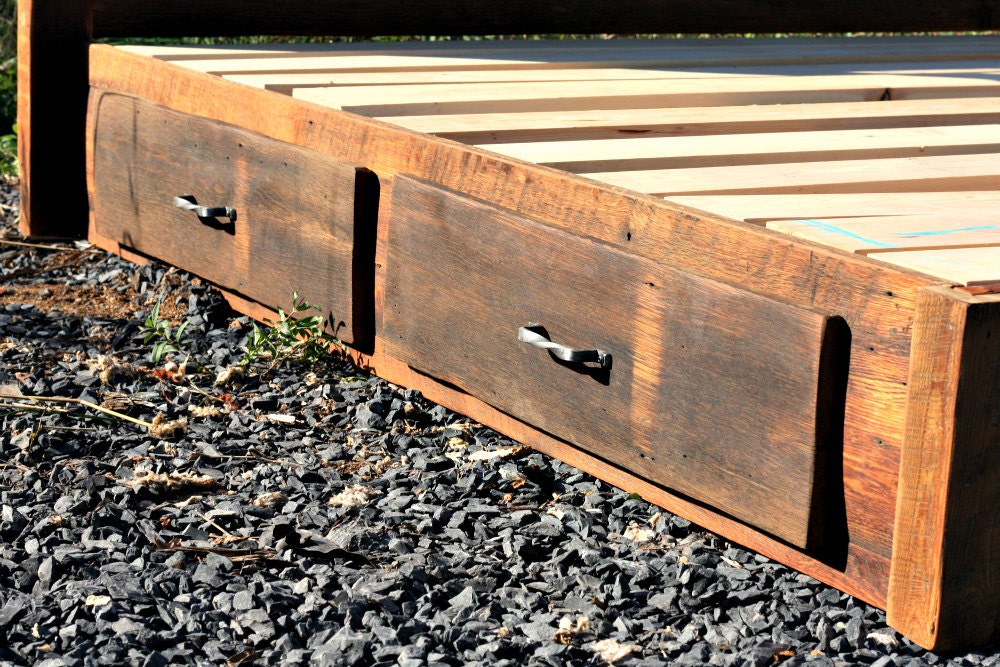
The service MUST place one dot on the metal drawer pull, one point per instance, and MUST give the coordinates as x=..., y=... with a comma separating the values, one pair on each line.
x=189, y=203
x=533, y=334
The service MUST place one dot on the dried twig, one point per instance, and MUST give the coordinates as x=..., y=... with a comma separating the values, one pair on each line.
x=36, y=245
x=235, y=555
x=228, y=538
x=76, y=401
x=253, y=457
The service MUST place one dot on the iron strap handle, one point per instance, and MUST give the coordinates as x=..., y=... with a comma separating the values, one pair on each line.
x=532, y=335
x=189, y=203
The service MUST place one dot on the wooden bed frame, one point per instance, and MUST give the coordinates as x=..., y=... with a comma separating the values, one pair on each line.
x=756, y=281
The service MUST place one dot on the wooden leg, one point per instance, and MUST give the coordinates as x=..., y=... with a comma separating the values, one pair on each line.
x=52, y=42
x=944, y=590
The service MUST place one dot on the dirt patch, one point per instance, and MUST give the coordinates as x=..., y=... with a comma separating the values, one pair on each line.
x=115, y=299
x=83, y=300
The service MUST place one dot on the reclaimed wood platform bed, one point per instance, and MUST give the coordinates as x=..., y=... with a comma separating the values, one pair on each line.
x=756, y=281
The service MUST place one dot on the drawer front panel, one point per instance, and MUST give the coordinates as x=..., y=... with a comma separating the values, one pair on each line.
x=304, y=221
x=712, y=391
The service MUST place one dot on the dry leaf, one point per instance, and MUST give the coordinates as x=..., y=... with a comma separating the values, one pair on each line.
x=110, y=369
x=611, y=650
x=352, y=496
x=173, y=482
x=164, y=430
x=204, y=411
x=883, y=638
x=272, y=499
x=279, y=418
x=174, y=372
x=229, y=375
x=570, y=629
x=501, y=453
x=637, y=534
x=456, y=443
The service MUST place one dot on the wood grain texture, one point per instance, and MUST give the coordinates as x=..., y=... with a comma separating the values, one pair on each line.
x=961, y=266
x=880, y=236
x=715, y=392
x=288, y=74
x=305, y=222
x=952, y=173
x=944, y=590
x=468, y=17
x=767, y=208
x=428, y=99
x=52, y=42
x=485, y=129
x=757, y=148
x=875, y=300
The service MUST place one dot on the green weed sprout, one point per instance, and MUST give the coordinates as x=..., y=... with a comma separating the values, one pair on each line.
x=293, y=336
x=159, y=330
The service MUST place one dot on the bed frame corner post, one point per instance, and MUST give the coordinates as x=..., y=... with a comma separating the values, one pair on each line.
x=52, y=42
x=944, y=589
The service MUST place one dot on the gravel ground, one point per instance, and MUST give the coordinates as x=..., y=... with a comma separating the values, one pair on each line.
x=318, y=515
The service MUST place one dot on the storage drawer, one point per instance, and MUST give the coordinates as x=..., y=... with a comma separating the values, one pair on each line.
x=303, y=221
x=717, y=393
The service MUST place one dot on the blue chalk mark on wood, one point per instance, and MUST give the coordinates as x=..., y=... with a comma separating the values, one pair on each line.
x=833, y=229
x=939, y=232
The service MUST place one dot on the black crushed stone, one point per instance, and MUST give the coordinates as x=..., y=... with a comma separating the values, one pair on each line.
x=323, y=516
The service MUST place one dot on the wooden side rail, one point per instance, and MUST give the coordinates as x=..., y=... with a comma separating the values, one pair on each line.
x=53, y=38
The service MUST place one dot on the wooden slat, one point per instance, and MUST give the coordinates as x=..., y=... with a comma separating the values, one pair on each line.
x=770, y=148
x=764, y=208
x=489, y=128
x=893, y=233
x=492, y=98
x=914, y=174
x=945, y=582
x=350, y=62
x=282, y=80
x=963, y=266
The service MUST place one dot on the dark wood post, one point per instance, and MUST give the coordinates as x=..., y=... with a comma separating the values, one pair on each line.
x=52, y=41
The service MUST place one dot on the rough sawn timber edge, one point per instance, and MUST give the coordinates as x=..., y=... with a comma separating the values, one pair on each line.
x=944, y=587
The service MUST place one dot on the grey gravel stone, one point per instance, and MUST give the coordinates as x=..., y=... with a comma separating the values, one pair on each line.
x=435, y=559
